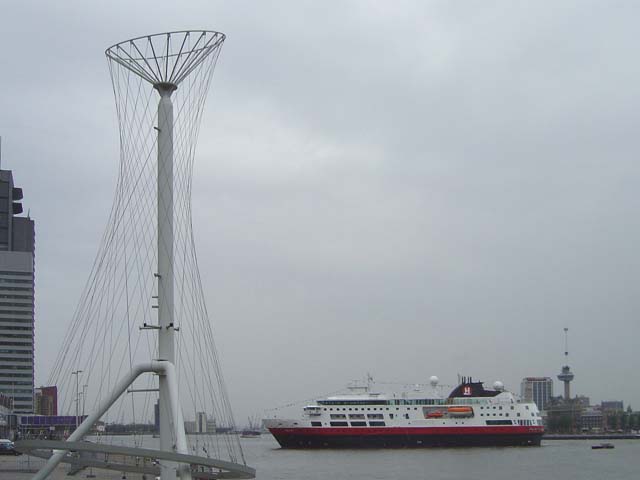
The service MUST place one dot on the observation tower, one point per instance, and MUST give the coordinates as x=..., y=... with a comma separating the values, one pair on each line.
x=142, y=316
x=566, y=375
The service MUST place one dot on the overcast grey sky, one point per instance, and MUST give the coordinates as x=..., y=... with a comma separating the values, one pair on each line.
x=401, y=188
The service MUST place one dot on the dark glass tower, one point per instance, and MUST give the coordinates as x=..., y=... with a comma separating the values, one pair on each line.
x=17, y=286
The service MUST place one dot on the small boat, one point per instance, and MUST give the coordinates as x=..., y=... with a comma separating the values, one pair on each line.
x=602, y=445
x=436, y=414
x=460, y=411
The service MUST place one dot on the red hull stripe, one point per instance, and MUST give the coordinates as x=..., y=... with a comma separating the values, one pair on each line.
x=408, y=431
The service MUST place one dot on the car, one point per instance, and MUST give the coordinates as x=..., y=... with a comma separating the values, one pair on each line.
x=7, y=447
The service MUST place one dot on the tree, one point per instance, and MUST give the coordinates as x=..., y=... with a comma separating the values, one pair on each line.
x=624, y=421
x=612, y=421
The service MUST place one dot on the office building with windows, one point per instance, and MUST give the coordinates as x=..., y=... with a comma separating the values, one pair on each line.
x=538, y=390
x=46, y=401
x=17, y=286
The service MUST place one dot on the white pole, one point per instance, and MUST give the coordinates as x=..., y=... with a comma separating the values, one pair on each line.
x=77, y=374
x=166, y=343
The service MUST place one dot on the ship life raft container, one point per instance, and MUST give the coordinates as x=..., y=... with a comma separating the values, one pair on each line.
x=460, y=412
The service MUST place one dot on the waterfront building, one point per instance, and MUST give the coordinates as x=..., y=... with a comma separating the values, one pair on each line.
x=46, y=401
x=17, y=261
x=564, y=416
x=613, y=413
x=5, y=416
x=201, y=422
x=211, y=425
x=582, y=400
x=591, y=420
x=190, y=426
x=43, y=426
x=612, y=405
x=538, y=390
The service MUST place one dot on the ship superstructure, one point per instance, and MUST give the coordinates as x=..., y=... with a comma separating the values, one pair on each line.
x=469, y=416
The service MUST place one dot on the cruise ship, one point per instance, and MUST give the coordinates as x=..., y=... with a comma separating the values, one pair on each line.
x=469, y=416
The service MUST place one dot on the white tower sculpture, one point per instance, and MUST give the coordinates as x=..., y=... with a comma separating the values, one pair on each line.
x=165, y=62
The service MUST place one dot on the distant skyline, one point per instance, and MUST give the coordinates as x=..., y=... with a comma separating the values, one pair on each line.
x=407, y=189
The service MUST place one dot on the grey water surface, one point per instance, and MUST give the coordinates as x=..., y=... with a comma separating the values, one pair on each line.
x=557, y=459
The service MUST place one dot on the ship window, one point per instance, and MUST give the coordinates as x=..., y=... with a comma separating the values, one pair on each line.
x=335, y=416
x=527, y=407
x=356, y=416
x=500, y=408
x=376, y=416
x=391, y=415
x=316, y=424
x=506, y=414
x=518, y=413
x=406, y=415
x=387, y=408
x=358, y=424
x=511, y=407
x=377, y=424
x=339, y=424
x=350, y=409
x=498, y=422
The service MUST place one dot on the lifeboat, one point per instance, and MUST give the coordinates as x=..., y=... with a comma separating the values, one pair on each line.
x=436, y=414
x=460, y=411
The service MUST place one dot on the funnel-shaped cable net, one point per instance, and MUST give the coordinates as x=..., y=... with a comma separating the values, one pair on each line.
x=166, y=57
x=105, y=337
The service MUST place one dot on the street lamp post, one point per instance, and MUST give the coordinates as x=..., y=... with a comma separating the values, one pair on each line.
x=84, y=397
x=77, y=374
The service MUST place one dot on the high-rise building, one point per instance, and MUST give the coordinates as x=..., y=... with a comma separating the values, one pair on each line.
x=46, y=401
x=538, y=390
x=612, y=405
x=211, y=425
x=5, y=416
x=201, y=422
x=17, y=262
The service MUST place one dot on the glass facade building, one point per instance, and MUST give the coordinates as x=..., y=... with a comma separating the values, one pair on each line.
x=538, y=390
x=17, y=287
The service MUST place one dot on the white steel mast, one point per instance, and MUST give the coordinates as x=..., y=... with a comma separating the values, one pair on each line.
x=166, y=341
x=164, y=61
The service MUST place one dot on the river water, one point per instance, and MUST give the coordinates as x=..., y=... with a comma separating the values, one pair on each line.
x=555, y=459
